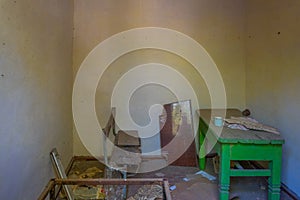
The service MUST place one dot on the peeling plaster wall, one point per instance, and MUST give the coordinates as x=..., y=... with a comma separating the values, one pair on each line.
x=219, y=26
x=272, y=75
x=35, y=93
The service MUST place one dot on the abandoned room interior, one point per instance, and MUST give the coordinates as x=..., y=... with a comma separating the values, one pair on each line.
x=149, y=99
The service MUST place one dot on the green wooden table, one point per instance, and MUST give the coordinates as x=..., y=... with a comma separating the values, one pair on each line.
x=234, y=145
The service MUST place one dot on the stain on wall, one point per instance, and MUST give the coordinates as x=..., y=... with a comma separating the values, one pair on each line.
x=254, y=44
x=219, y=26
x=272, y=75
x=35, y=93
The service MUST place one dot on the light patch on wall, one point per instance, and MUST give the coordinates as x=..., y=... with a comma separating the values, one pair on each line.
x=128, y=61
x=144, y=98
x=149, y=74
x=93, y=67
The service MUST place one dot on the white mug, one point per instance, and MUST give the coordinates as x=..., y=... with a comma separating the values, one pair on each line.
x=218, y=121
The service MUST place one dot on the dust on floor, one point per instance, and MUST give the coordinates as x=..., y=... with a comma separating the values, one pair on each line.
x=194, y=188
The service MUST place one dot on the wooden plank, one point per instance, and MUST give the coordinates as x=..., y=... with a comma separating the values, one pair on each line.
x=46, y=191
x=228, y=135
x=112, y=181
x=52, y=194
x=167, y=190
x=274, y=138
x=95, y=182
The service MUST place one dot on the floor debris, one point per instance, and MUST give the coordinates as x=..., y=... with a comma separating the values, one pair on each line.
x=173, y=187
x=148, y=192
x=89, y=173
x=81, y=192
x=84, y=192
x=159, y=174
x=201, y=173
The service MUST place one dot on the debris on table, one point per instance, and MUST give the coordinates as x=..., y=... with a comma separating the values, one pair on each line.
x=246, y=123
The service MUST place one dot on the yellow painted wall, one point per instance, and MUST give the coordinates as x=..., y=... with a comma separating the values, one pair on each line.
x=217, y=25
x=255, y=45
x=272, y=75
x=35, y=93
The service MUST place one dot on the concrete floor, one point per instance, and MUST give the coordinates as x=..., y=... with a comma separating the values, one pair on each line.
x=198, y=187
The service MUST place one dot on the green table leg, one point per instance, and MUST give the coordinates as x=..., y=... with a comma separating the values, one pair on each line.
x=274, y=179
x=202, y=152
x=224, y=175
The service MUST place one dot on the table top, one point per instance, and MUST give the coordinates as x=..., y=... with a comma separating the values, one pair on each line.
x=228, y=135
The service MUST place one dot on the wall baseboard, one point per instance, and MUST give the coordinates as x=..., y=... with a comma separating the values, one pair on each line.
x=284, y=187
x=289, y=192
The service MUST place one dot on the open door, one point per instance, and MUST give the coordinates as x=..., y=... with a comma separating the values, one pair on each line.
x=177, y=134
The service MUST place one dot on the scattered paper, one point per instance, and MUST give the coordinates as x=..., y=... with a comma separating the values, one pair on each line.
x=201, y=173
x=206, y=175
x=173, y=187
x=159, y=174
x=245, y=123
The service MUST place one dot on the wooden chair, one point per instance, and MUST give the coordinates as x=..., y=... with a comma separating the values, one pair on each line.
x=126, y=152
x=123, y=138
x=128, y=138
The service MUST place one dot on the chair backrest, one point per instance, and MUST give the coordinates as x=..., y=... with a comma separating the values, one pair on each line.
x=109, y=127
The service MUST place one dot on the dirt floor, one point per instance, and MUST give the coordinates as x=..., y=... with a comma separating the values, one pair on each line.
x=184, y=184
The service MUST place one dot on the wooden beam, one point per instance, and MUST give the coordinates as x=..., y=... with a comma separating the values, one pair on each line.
x=101, y=181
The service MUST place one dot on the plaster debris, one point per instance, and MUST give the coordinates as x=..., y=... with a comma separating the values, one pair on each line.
x=81, y=192
x=91, y=172
x=159, y=174
x=148, y=192
x=246, y=123
x=91, y=192
x=201, y=173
